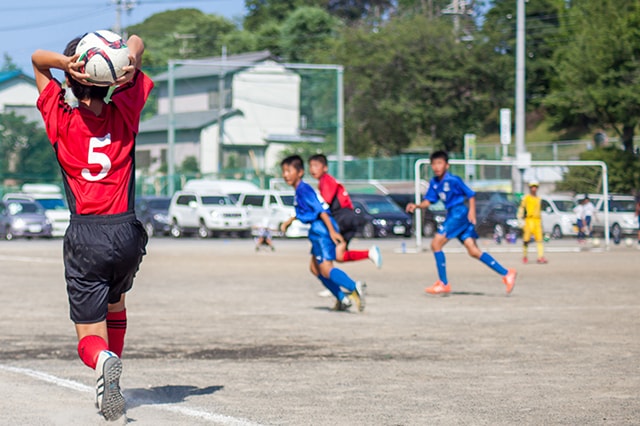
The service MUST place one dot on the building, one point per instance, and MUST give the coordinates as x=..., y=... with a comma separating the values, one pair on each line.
x=253, y=97
x=19, y=94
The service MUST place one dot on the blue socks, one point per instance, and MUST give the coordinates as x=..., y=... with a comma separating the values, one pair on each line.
x=342, y=279
x=488, y=260
x=441, y=264
x=332, y=287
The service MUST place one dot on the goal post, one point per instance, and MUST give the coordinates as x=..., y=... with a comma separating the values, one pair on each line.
x=511, y=164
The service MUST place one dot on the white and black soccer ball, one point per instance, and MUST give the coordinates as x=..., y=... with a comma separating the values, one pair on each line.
x=105, y=55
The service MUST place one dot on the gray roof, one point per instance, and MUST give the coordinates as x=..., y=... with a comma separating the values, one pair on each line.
x=184, y=121
x=236, y=62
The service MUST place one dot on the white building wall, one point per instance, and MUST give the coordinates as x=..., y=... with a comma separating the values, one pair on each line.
x=185, y=103
x=18, y=93
x=209, y=149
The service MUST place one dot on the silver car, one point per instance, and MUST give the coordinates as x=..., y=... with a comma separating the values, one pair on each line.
x=22, y=218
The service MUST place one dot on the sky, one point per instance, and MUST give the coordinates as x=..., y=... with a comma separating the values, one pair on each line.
x=27, y=25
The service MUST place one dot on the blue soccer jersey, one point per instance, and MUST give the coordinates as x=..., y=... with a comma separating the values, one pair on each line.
x=450, y=189
x=453, y=192
x=308, y=209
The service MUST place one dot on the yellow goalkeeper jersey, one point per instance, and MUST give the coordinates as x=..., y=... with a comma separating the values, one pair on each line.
x=530, y=207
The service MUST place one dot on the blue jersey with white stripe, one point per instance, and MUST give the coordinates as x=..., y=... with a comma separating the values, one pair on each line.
x=450, y=189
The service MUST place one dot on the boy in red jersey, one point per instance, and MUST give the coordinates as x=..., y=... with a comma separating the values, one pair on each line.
x=104, y=244
x=341, y=208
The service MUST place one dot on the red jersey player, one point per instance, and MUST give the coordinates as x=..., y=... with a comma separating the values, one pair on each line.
x=104, y=244
x=341, y=208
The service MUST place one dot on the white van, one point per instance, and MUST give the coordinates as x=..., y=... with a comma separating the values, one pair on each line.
x=206, y=213
x=232, y=188
x=272, y=208
x=50, y=197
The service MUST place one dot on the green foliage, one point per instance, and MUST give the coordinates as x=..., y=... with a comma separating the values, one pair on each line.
x=189, y=165
x=623, y=172
x=25, y=151
x=305, y=33
x=8, y=64
x=261, y=12
x=597, y=80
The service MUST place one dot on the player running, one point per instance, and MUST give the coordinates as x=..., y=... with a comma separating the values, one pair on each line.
x=341, y=207
x=323, y=235
x=460, y=222
x=104, y=244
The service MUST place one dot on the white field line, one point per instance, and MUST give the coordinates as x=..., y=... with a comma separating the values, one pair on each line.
x=173, y=408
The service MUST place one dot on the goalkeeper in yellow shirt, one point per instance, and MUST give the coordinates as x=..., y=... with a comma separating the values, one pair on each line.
x=529, y=211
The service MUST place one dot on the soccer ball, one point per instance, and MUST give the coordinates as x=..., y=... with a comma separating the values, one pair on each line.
x=628, y=242
x=104, y=54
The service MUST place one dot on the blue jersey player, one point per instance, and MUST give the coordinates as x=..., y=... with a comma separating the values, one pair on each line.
x=323, y=234
x=460, y=222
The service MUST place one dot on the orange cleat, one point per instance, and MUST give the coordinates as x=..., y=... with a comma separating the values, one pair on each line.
x=510, y=279
x=542, y=260
x=438, y=288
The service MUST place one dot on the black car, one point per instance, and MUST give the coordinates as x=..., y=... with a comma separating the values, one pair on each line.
x=432, y=217
x=153, y=212
x=381, y=216
x=496, y=218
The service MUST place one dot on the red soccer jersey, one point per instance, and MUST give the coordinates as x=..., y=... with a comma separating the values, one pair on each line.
x=334, y=193
x=96, y=153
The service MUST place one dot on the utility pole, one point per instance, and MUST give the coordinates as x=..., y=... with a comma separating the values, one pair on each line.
x=521, y=149
x=121, y=6
x=221, y=106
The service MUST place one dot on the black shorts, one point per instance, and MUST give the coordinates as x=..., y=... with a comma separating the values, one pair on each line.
x=101, y=256
x=348, y=221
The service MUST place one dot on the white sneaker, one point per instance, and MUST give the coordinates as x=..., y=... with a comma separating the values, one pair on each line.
x=375, y=256
x=109, y=398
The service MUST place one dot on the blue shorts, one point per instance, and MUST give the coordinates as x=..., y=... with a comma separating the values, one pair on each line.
x=457, y=224
x=322, y=246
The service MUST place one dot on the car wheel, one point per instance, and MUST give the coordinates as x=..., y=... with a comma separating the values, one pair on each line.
x=148, y=227
x=429, y=229
x=175, y=231
x=616, y=233
x=368, y=231
x=203, y=231
x=556, y=233
x=8, y=234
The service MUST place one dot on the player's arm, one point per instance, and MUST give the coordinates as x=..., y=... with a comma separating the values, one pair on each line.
x=411, y=207
x=335, y=235
x=472, y=209
x=136, y=49
x=286, y=224
x=44, y=61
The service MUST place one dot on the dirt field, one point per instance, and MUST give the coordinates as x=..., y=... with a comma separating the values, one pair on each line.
x=219, y=334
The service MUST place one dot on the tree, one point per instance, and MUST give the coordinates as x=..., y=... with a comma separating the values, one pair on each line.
x=305, y=33
x=597, y=81
x=262, y=12
x=8, y=64
x=25, y=151
x=408, y=79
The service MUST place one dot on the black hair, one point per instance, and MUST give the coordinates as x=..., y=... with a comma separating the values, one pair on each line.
x=320, y=158
x=439, y=155
x=293, y=160
x=82, y=91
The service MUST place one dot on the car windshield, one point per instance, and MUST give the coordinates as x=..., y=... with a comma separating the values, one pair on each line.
x=220, y=200
x=52, y=203
x=159, y=204
x=565, y=206
x=287, y=200
x=381, y=206
x=16, y=208
x=627, y=206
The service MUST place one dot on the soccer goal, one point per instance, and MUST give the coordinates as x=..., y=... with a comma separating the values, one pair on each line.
x=510, y=176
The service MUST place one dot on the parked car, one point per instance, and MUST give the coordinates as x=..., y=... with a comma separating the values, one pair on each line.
x=153, y=212
x=23, y=218
x=622, y=218
x=50, y=197
x=231, y=187
x=496, y=218
x=432, y=217
x=207, y=214
x=272, y=208
x=558, y=218
x=381, y=216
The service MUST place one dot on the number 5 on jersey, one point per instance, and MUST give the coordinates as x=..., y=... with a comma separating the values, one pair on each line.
x=100, y=158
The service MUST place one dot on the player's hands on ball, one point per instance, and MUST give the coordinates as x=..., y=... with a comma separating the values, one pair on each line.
x=129, y=72
x=74, y=69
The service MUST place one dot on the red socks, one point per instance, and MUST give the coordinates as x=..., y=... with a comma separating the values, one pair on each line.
x=351, y=255
x=116, y=329
x=89, y=347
